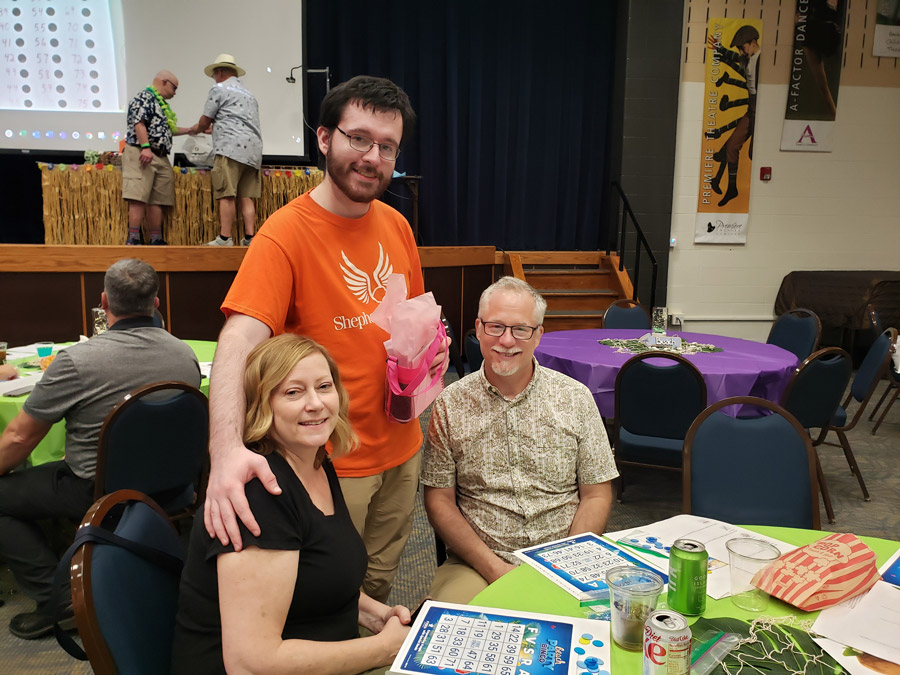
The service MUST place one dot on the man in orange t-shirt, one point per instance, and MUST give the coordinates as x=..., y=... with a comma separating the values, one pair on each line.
x=319, y=267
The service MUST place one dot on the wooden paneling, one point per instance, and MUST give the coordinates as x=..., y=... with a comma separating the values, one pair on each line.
x=40, y=307
x=455, y=256
x=194, y=302
x=50, y=290
x=40, y=258
x=558, y=258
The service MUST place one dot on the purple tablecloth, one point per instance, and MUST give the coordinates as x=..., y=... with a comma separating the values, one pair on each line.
x=742, y=368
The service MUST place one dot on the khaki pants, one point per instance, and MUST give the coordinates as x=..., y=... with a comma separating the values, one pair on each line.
x=381, y=507
x=231, y=178
x=151, y=184
x=455, y=581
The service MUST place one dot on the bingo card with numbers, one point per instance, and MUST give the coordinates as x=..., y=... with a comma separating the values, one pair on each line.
x=448, y=638
x=579, y=563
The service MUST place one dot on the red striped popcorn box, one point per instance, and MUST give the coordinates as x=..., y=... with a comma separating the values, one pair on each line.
x=820, y=574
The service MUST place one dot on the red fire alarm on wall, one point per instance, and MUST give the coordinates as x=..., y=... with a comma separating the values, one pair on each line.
x=765, y=173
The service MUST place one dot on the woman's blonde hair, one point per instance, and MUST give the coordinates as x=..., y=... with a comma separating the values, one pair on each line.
x=268, y=365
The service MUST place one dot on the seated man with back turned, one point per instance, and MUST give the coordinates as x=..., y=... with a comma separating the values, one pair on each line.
x=83, y=384
x=516, y=454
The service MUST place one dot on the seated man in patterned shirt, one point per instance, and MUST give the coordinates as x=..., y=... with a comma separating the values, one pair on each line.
x=516, y=454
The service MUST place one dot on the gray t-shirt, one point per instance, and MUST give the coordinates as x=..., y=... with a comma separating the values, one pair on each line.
x=236, y=133
x=86, y=381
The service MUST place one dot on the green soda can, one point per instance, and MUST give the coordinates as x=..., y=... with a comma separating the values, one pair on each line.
x=688, y=562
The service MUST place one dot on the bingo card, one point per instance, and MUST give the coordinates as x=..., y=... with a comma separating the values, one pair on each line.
x=448, y=639
x=578, y=564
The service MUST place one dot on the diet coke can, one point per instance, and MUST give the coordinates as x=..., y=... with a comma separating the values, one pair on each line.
x=667, y=644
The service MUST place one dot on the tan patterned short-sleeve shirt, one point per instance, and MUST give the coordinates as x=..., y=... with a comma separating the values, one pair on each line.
x=516, y=464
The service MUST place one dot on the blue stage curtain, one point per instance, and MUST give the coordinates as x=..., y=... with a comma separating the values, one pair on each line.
x=513, y=102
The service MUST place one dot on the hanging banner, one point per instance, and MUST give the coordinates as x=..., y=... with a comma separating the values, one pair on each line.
x=815, y=75
x=887, y=29
x=729, y=116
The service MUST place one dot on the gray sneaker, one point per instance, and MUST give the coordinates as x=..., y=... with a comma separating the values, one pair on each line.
x=245, y=241
x=218, y=241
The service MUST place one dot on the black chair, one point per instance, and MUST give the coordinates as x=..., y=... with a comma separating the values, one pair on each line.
x=753, y=471
x=125, y=602
x=626, y=314
x=892, y=390
x=812, y=396
x=156, y=441
x=874, y=319
x=655, y=405
x=454, y=350
x=869, y=374
x=473, y=350
x=893, y=375
x=798, y=331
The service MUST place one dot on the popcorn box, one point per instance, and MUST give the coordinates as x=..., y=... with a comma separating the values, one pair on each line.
x=820, y=574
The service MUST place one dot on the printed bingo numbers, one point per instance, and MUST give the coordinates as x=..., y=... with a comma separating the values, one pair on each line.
x=465, y=639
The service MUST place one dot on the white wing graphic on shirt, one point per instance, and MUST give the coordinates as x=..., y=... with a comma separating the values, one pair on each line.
x=363, y=286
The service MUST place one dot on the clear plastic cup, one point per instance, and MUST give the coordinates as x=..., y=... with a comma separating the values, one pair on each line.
x=746, y=556
x=633, y=594
x=44, y=349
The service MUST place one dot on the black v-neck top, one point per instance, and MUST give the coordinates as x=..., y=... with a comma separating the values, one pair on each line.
x=331, y=569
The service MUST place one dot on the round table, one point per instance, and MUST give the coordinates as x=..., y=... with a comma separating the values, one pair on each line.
x=742, y=368
x=526, y=589
x=52, y=447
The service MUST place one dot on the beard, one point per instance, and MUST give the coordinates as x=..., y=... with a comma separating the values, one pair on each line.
x=505, y=368
x=345, y=178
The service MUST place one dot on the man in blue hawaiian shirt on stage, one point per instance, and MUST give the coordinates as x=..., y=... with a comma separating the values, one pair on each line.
x=146, y=171
x=238, y=146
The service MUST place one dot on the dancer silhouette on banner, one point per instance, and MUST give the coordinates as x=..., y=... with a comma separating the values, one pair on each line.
x=744, y=60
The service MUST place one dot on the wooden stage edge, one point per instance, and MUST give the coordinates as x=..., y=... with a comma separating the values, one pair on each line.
x=41, y=258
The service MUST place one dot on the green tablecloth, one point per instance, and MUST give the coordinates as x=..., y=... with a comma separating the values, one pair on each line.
x=525, y=589
x=53, y=446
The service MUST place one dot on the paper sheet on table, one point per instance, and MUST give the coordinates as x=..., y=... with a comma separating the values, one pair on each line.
x=868, y=622
x=712, y=533
x=852, y=663
x=20, y=385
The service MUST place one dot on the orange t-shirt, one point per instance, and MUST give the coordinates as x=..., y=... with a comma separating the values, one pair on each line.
x=313, y=273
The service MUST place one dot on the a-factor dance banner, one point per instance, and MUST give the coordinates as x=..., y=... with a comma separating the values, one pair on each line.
x=815, y=75
x=729, y=115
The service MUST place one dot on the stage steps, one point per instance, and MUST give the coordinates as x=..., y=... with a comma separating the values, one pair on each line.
x=578, y=285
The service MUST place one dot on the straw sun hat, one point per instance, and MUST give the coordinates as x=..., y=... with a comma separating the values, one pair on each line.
x=224, y=61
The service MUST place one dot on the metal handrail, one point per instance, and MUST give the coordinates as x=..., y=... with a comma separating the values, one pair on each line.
x=641, y=240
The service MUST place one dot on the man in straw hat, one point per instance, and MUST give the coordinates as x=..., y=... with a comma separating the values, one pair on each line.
x=237, y=143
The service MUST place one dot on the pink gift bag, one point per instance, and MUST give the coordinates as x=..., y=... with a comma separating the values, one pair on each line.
x=417, y=335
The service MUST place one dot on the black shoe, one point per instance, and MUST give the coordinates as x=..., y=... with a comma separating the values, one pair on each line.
x=730, y=194
x=31, y=625
x=133, y=241
x=158, y=242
